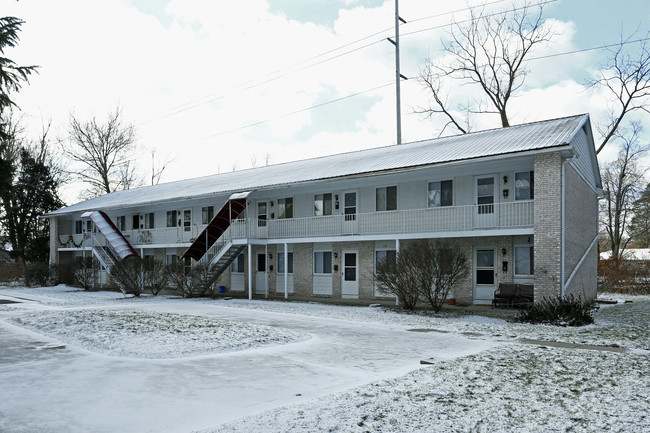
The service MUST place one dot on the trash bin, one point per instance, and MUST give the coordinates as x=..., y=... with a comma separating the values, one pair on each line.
x=222, y=289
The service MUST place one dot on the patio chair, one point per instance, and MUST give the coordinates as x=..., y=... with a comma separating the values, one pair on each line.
x=504, y=295
x=525, y=296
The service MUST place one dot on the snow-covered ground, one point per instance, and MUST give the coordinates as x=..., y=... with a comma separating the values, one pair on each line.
x=481, y=376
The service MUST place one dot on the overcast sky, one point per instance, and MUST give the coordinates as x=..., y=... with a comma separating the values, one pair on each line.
x=194, y=75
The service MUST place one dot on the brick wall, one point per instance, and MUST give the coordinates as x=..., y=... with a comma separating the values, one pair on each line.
x=548, y=219
x=581, y=223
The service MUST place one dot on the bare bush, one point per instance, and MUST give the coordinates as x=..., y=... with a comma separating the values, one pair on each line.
x=128, y=276
x=423, y=270
x=190, y=282
x=83, y=273
x=447, y=265
x=156, y=276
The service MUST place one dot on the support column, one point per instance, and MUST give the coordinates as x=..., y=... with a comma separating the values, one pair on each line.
x=396, y=254
x=266, y=271
x=250, y=271
x=286, y=271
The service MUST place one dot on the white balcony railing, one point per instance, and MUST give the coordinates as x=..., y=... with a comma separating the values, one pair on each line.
x=429, y=220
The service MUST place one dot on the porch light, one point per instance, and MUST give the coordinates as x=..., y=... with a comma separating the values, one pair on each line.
x=271, y=202
x=270, y=256
x=503, y=251
x=505, y=179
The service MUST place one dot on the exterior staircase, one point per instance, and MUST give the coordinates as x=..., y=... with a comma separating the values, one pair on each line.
x=213, y=248
x=108, y=244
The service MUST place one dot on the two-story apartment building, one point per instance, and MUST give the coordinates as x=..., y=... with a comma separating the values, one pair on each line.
x=521, y=201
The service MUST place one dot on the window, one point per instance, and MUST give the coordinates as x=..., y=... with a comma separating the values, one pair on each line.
x=322, y=262
x=524, y=263
x=171, y=259
x=381, y=255
x=148, y=261
x=261, y=262
x=135, y=221
x=386, y=198
x=281, y=263
x=524, y=185
x=238, y=264
x=120, y=223
x=323, y=204
x=172, y=218
x=207, y=213
x=78, y=227
x=441, y=193
x=285, y=207
x=148, y=221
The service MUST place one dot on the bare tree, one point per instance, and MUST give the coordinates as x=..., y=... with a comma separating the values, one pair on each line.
x=623, y=179
x=104, y=150
x=487, y=51
x=626, y=77
x=639, y=228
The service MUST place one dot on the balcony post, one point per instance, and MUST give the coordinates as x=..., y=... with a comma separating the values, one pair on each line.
x=286, y=271
x=250, y=273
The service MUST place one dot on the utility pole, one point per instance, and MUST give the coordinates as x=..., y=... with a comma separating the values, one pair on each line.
x=398, y=75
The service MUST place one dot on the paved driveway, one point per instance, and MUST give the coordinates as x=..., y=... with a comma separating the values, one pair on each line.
x=49, y=386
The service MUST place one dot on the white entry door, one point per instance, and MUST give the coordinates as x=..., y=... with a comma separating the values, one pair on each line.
x=350, y=223
x=350, y=276
x=187, y=225
x=260, y=275
x=485, y=280
x=485, y=190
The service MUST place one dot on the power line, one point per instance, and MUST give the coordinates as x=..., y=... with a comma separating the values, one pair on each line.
x=252, y=83
x=261, y=122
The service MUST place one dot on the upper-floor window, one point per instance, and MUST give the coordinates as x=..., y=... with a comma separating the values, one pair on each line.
x=285, y=207
x=441, y=193
x=386, y=198
x=524, y=185
x=323, y=204
x=78, y=227
x=172, y=218
x=148, y=221
x=289, y=263
x=322, y=262
x=524, y=262
x=135, y=222
x=120, y=223
x=207, y=213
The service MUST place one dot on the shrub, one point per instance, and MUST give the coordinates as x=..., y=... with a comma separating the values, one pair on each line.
x=568, y=311
x=83, y=272
x=190, y=282
x=36, y=274
x=128, y=276
x=423, y=270
x=156, y=276
x=624, y=276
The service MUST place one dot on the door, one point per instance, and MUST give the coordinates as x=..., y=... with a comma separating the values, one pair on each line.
x=350, y=275
x=260, y=275
x=262, y=216
x=485, y=214
x=484, y=275
x=187, y=225
x=350, y=223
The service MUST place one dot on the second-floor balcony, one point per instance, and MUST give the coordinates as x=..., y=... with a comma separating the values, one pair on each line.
x=390, y=223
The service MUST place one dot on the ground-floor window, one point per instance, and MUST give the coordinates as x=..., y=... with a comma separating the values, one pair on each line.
x=237, y=266
x=381, y=255
x=322, y=262
x=524, y=261
x=281, y=263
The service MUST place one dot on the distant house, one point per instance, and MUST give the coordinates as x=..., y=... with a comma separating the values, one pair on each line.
x=5, y=256
x=631, y=254
x=520, y=201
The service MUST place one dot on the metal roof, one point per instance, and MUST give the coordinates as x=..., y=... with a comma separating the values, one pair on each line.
x=503, y=141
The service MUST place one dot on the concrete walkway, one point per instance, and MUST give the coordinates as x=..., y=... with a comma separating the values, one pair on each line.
x=49, y=386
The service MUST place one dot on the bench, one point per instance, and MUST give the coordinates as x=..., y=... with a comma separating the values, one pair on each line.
x=504, y=295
